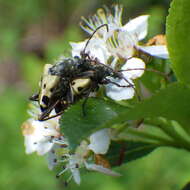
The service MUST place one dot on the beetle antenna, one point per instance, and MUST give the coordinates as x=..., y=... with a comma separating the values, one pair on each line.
x=103, y=25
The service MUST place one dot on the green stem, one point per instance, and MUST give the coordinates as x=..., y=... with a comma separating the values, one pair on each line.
x=168, y=129
x=157, y=141
x=150, y=137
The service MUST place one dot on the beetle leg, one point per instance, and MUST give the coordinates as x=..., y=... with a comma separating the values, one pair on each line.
x=53, y=116
x=43, y=116
x=70, y=96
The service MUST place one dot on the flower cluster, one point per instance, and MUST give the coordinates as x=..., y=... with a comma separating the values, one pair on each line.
x=45, y=139
x=120, y=44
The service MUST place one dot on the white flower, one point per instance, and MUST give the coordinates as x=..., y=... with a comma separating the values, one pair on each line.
x=74, y=164
x=39, y=135
x=100, y=141
x=125, y=41
x=82, y=159
x=122, y=40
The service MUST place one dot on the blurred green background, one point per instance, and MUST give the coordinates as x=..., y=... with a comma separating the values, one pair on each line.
x=35, y=32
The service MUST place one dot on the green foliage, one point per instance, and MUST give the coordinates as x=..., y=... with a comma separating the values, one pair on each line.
x=77, y=126
x=104, y=114
x=171, y=103
x=19, y=171
x=156, y=20
x=179, y=39
x=16, y=172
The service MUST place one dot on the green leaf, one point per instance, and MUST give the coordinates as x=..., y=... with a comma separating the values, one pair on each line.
x=178, y=38
x=75, y=126
x=172, y=103
x=126, y=151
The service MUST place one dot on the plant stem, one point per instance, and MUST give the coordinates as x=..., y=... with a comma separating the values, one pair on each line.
x=156, y=140
x=167, y=128
x=150, y=137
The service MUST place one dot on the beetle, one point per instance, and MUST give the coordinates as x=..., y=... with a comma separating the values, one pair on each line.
x=57, y=94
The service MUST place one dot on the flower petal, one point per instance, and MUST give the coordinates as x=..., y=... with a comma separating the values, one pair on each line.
x=37, y=135
x=73, y=162
x=52, y=158
x=156, y=51
x=101, y=169
x=44, y=147
x=96, y=49
x=100, y=141
x=134, y=68
x=120, y=93
x=137, y=26
x=77, y=47
x=76, y=175
x=30, y=145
